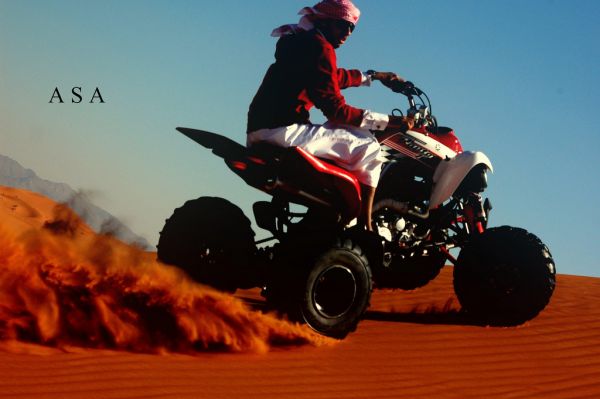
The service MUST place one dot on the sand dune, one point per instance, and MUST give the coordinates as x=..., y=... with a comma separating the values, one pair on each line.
x=411, y=345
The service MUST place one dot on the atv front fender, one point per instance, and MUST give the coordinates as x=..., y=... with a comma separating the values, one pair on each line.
x=451, y=172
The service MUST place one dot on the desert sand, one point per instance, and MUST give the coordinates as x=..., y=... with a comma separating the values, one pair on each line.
x=85, y=316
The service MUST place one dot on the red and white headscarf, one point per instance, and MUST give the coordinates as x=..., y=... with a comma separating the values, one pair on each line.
x=330, y=9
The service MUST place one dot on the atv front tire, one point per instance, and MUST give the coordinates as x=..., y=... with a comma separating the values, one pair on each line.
x=504, y=276
x=212, y=240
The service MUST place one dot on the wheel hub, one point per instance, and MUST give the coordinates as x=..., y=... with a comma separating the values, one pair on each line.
x=335, y=291
x=505, y=278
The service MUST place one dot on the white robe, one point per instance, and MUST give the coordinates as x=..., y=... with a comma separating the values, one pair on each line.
x=350, y=147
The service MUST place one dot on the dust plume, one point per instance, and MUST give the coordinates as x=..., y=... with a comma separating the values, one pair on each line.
x=61, y=285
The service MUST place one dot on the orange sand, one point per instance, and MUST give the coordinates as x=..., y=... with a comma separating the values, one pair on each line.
x=411, y=345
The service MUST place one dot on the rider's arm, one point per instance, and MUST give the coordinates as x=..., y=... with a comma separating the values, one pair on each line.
x=323, y=87
x=323, y=90
x=349, y=78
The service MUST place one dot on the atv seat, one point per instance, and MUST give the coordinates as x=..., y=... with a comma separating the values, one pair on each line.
x=289, y=173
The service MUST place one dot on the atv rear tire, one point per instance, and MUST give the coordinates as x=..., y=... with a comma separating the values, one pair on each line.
x=505, y=276
x=212, y=240
x=337, y=290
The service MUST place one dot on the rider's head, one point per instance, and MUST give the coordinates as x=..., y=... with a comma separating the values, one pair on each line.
x=336, y=31
x=334, y=18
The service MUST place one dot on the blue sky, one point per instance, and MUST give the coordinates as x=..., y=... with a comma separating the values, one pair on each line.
x=516, y=80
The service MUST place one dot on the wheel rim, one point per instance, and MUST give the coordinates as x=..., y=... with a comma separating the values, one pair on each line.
x=334, y=291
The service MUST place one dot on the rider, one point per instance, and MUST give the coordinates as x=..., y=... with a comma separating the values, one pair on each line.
x=305, y=74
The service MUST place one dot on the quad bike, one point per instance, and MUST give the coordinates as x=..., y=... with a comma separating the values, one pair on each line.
x=321, y=270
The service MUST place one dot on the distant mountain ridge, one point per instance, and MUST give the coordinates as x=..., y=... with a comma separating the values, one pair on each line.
x=12, y=174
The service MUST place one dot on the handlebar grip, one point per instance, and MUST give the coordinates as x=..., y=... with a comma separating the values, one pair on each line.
x=407, y=88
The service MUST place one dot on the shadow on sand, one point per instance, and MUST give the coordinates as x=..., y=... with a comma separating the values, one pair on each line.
x=451, y=317
x=428, y=316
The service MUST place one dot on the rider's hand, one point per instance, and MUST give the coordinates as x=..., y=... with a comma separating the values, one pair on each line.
x=387, y=78
x=399, y=124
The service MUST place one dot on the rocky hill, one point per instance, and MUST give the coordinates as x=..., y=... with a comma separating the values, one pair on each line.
x=13, y=174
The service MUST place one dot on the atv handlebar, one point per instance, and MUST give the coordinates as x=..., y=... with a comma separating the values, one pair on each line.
x=407, y=88
x=419, y=111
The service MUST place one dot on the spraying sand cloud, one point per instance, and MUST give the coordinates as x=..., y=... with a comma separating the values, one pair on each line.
x=61, y=284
